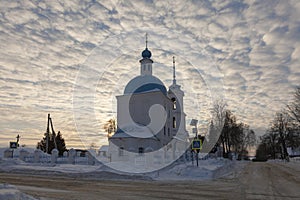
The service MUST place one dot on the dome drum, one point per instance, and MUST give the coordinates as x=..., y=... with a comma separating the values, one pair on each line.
x=146, y=83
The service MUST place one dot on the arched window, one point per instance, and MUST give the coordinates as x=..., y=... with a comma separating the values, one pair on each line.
x=174, y=122
x=174, y=103
x=121, y=151
x=141, y=150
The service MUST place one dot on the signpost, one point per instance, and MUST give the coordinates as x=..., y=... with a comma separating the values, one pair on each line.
x=197, y=146
x=13, y=145
x=196, y=143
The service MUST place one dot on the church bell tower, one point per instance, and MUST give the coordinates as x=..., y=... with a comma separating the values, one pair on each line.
x=176, y=96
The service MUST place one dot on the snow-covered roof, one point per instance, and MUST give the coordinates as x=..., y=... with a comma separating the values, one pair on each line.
x=134, y=131
x=104, y=148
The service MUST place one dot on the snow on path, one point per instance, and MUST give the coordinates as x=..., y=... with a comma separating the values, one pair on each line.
x=208, y=169
x=188, y=171
x=10, y=192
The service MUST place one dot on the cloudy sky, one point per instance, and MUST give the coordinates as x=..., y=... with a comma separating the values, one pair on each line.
x=71, y=58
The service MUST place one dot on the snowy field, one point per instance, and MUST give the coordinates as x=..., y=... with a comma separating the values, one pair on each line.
x=10, y=192
x=208, y=169
x=214, y=178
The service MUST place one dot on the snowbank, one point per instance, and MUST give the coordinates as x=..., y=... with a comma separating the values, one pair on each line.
x=207, y=169
x=16, y=151
x=10, y=192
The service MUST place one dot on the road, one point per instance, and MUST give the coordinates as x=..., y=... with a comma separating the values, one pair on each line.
x=254, y=181
x=270, y=181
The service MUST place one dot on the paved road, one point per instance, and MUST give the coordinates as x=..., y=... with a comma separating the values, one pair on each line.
x=255, y=181
x=270, y=181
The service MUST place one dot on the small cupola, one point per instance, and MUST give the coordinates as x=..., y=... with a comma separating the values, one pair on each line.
x=146, y=61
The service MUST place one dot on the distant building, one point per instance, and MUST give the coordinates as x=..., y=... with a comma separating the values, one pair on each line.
x=136, y=131
x=293, y=152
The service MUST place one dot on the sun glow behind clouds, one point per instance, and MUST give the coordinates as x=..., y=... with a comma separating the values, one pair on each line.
x=254, y=44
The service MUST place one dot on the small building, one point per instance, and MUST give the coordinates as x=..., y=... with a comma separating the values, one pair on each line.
x=293, y=152
x=103, y=150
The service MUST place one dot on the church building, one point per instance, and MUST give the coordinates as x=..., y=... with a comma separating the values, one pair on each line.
x=150, y=117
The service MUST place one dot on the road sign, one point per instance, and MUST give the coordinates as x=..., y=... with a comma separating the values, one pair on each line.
x=196, y=144
x=194, y=122
x=13, y=145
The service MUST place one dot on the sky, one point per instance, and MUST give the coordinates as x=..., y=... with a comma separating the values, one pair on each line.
x=71, y=58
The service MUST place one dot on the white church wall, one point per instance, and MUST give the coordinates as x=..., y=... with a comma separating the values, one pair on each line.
x=122, y=110
x=142, y=103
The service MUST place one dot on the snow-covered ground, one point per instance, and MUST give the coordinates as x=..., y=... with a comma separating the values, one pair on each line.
x=10, y=192
x=237, y=174
x=207, y=169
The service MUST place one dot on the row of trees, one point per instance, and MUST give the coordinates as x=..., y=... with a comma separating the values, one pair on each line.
x=284, y=131
x=232, y=136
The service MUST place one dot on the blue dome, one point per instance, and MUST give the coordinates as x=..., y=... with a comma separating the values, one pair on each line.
x=145, y=83
x=146, y=53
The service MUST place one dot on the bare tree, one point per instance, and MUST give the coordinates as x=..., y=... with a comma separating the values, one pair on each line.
x=246, y=139
x=284, y=131
x=294, y=108
x=219, y=114
x=271, y=143
x=228, y=133
x=293, y=138
x=281, y=126
x=110, y=127
x=233, y=136
x=269, y=146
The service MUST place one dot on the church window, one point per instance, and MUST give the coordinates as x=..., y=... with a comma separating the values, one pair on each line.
x=148, y=67
x=121, y=151
x=174, y=122
x=141, y=150
x=144, y=67
x=168, y=131
x=174, y=103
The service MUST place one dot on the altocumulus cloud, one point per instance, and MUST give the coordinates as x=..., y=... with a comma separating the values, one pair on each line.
x=254, y=45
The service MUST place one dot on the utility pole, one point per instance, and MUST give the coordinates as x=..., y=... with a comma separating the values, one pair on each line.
x=18, y=139
x=196, y=145
x=47, y=134
x=53, y=134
